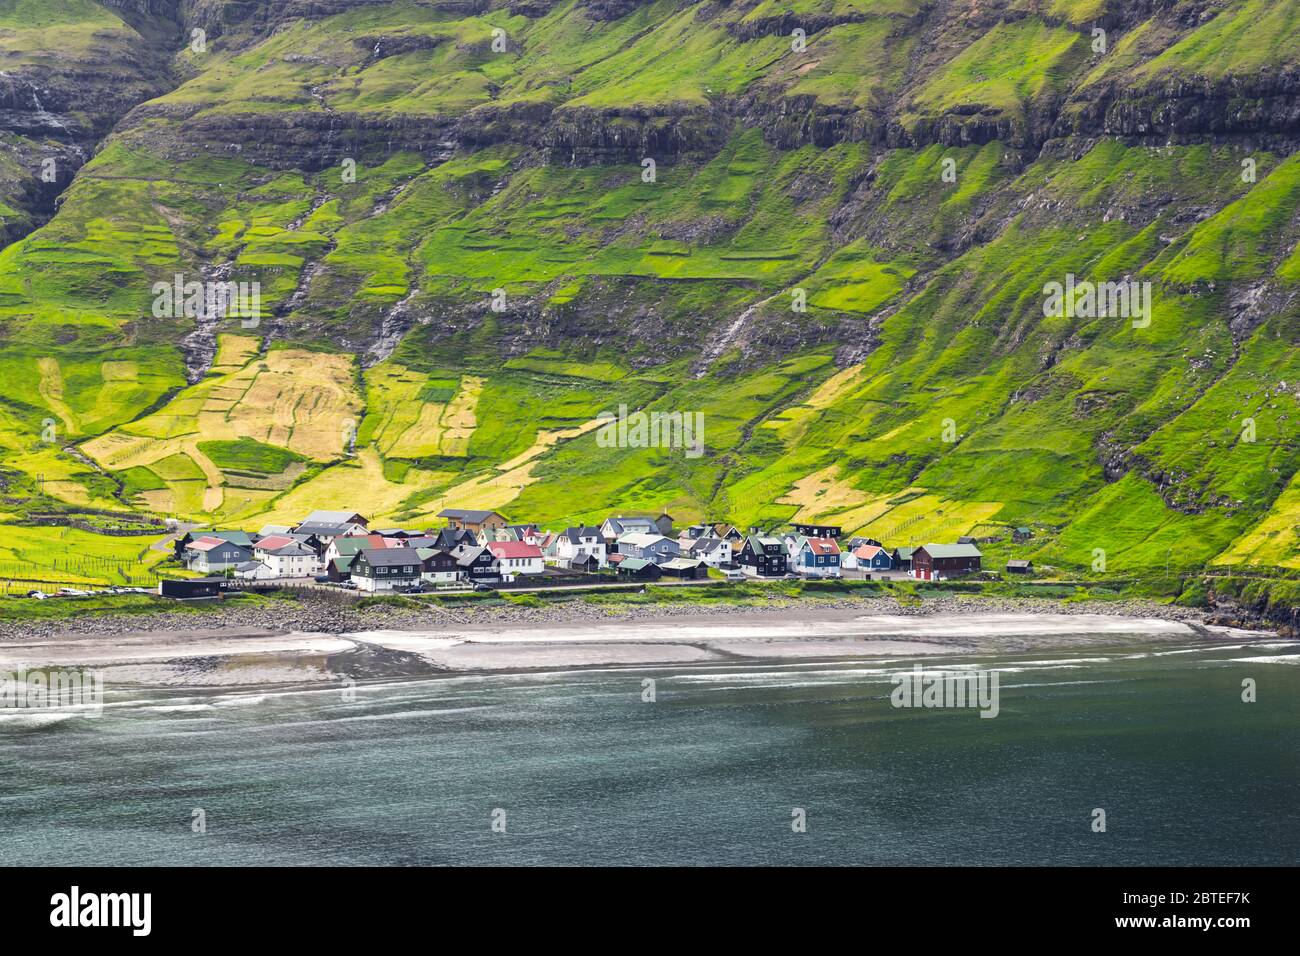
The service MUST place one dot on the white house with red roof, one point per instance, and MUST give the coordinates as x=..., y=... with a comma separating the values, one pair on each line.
x=287, y=557
x=516, y=558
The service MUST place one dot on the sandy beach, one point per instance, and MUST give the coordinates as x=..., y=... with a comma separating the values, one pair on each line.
x=261, y=656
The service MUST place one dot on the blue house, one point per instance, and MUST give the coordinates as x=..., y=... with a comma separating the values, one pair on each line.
x=818, y=557
x=873, y=558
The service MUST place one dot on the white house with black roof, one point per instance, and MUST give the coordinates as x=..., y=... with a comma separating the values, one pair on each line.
x=290, y=560
x=714, y=552
x=614, y=528
x=385, y=569
x=579, y=543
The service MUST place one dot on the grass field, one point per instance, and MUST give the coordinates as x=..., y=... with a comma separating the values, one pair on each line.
x=34, y=557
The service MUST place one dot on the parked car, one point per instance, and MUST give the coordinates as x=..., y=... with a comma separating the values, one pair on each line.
x=322, y=579
x=73, y=592
x=349, y=585
x=735, y=574
x=480, y=586
x=412, y=589
x=39, y=595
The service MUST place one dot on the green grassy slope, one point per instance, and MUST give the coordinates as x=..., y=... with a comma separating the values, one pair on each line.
x=839, y=260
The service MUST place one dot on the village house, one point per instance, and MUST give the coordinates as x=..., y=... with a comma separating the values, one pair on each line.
x=386, y=569
x=438, y=567
x=478, y=565
x=936, y=562
x=817, y=530
x=288, y=558
x=340, y=569
x=686, y=568
x=652, y=547
x=763, y=556
x=1016, y=566
x=325, y=532
x=338, y=517
x=729, y=532
x=449, y=539
x=327, y=525
x=638, y=569
x=546, y=542
x=527, y=533
x=254, y=571
x=473, y=521
x=577, y=543
x=273, y=541
x=714, y=552
x=868, y=557
x=515, y=558
x=815, y=557
x=181, y=543
x=587, y=565
x=614, y=528
x=210, y=554
x=349, y=545
x=902, y=559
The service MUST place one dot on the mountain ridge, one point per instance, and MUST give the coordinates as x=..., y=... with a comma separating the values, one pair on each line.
x=776, y=171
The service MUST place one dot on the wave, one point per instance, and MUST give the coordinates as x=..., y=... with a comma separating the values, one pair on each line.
x=37, y=718
x=178, y=708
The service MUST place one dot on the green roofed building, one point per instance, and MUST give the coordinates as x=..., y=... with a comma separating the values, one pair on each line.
x=639, y=569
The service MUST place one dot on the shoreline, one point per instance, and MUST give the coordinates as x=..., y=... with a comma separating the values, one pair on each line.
x=331, y=619
x=533, y=640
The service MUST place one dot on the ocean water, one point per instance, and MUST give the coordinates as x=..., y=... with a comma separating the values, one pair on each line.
x=581, y=770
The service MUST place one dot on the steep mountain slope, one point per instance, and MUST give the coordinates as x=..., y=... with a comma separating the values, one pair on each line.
x=827, y=225
x=68, y=72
